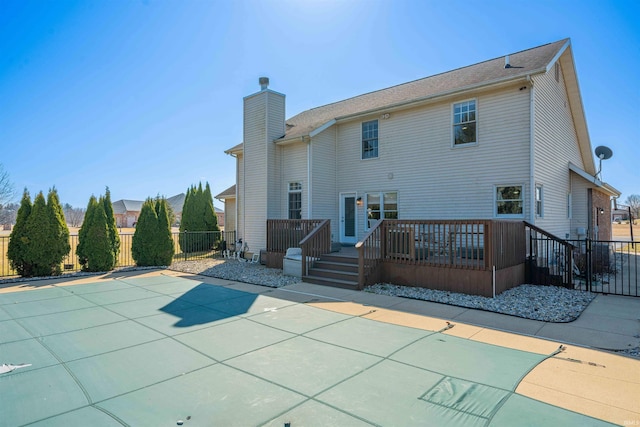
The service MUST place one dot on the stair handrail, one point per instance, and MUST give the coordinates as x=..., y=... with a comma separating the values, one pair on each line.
x=370, y=249
x=316, y=243
x=567, y=254
x=549, y=235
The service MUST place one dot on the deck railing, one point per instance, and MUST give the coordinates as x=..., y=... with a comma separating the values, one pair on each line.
x=459, y=244
x=283, y=234
x=316, y=243
x=370, y=254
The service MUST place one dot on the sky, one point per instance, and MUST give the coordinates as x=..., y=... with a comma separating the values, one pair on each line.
x=144, y=96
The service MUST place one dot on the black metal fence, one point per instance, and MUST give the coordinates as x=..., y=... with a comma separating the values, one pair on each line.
x=607, y=266
x=189, y=245
x=602, y=266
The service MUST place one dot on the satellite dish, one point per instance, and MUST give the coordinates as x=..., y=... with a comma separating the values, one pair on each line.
x=603, y=153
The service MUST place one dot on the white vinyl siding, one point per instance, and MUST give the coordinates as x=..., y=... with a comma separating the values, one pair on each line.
x=275, y=127
x=263, y=122
x=323, y=178
x=230, y=215
x=294, y=169
x=434, y=181
x=579, y=205
x=556, y=144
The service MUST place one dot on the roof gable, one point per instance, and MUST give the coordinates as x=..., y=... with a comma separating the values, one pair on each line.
x=523, y=63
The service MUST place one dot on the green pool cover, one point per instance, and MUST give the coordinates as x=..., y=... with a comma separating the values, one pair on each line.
x=159, y=351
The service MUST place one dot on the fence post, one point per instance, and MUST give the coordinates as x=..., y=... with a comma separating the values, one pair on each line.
x=588, y=260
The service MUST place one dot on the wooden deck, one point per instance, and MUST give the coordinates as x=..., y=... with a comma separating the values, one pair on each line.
x=481, y=257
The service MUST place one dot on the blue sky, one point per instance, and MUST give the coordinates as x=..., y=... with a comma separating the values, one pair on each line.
x=144, y=96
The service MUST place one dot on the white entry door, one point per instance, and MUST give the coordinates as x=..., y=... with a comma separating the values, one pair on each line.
x=348, y=218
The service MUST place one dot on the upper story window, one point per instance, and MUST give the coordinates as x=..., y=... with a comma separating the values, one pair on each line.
x=464, y=123
x=295, y=200
x=510, y=201
x=370, y=139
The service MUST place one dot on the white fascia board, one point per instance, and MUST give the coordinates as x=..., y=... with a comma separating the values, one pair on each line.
x=602, y=185
x=322, y=128
x=558, y=55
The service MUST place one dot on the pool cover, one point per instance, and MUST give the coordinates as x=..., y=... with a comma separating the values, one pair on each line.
x=164, y=350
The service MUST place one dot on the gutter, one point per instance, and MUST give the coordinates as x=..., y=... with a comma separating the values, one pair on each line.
x=493, y=83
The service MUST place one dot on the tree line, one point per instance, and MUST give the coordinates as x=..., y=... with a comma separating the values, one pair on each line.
x=39, y=240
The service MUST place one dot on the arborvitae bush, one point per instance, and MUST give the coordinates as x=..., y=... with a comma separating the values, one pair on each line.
x=114, y=236
x=198, y=215
x=18, y=240
x=45, y=249
x=164, y=245
x=40, y=240
x=143, y=246
x=95, y=249
x=83, y=239
x=58, y=239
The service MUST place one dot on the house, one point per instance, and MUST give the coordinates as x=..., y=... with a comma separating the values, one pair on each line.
x=460, y=165
x=126, y=212
x=502, y=139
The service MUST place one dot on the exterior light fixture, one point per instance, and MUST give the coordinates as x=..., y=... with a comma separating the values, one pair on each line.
x=359, y=201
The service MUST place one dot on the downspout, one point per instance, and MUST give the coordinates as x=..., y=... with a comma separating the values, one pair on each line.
x=237, y=190
x=309, y=174
x=532, y=116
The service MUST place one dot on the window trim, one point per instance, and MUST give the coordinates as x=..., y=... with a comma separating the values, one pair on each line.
x=294, y=190
x=453, y=124
x=522, y=198
x=377, y=140
x=539, y=201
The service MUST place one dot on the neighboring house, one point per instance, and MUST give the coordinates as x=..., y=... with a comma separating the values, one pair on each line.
x=126, y=212
x=228, y=197
x=220, y=217
x=502, y=139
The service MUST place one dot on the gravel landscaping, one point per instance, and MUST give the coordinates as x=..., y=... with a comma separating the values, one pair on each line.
x=545, y=303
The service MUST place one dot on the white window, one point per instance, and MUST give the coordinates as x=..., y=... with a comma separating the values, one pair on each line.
x=464, y=123
x=370, y=139
x=539, y=203
x=295, y=200
x=509, y=201
x=381, y=205
x=569, y=206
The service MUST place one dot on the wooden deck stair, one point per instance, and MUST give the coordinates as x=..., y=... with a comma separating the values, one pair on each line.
x=339, y=270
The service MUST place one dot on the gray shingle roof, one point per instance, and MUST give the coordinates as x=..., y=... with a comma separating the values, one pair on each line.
x=228, y=193
x=120, y=207
x=487, y=72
